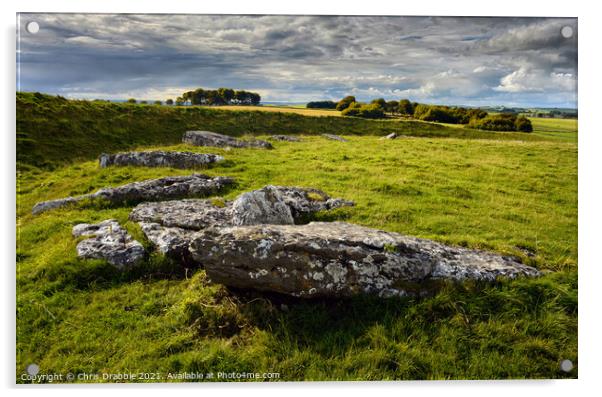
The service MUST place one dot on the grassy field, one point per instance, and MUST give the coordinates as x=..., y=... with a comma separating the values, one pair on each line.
x=509, y=196
x=561, y=129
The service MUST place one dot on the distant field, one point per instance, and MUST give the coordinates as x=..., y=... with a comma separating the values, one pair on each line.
x=563, y=129
x=298, y=109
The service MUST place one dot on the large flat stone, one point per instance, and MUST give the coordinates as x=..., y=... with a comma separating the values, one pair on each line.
x=171, y=187
x=340, y=260
x=159, y=158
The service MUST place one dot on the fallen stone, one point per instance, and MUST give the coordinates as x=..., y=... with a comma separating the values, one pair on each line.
x=198, y=214
x=207, y=138
x=340, y=260
x=53, y=204
x=109, y=241
x=334, y=137
x=159, y=159
x=287, y=138
x=270, y=204
x=171, y=187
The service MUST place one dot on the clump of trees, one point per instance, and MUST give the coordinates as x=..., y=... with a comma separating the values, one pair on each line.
x=470, y=117
x=368, y=111
x=502, y=122
x=221, y=96
x=447, y=114
x=321, y=105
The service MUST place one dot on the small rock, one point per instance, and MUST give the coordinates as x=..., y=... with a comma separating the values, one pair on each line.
x=109, y=241
x=340, y=260
x=170, y=187
x=391, y=136
x=159, y=159
x=335, y=137
x=287, y=138
x=207, y=138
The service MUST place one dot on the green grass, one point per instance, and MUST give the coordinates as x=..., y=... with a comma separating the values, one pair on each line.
x=511, y=197
x=561, y=129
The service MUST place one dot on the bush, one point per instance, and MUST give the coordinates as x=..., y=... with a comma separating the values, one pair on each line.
x=352, y=109
x=502, y=122
x=523, y=124
x=345, y=102
x=406, y=107
x=321, y=105
x=371, y=111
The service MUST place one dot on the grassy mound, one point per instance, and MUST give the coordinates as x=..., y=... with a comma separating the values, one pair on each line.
x=53, y=130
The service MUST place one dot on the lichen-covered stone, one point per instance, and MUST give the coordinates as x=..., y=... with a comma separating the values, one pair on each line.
x=334, y=137
x=340, y=260
x=287, y=138
x=269, y=205
x=109, y=241
x=171, y=187
x=159, y=158
x=193, y=214
x=207, y=138
x=58, y=203
x=170, y=241
x=265, y=205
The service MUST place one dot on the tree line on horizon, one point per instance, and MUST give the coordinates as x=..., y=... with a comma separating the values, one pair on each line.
x=219, y=97
x=470, y=117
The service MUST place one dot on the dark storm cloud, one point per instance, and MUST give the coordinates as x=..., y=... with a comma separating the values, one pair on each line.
x=522, y=61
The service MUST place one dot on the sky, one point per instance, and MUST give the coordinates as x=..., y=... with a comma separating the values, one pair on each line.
x=443, y=60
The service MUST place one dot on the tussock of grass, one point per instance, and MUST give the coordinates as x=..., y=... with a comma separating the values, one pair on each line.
x=511, y=197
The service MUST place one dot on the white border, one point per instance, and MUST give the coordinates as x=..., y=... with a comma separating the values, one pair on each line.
x=589, y=186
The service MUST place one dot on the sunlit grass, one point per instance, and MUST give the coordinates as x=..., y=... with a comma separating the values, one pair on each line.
x=512, y=197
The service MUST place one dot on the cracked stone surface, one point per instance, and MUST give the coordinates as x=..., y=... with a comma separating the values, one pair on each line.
x=109, y=241
x=335, y=259
x=268, y=205
x=159, y=159
x=196, y=185
x=207, y=138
